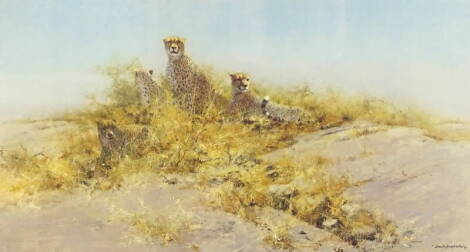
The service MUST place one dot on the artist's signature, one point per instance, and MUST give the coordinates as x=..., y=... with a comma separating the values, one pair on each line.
x=449, y=246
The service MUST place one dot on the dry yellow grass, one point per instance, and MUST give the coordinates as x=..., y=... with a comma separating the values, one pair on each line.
x=280, y=237
x=23, y=175
x=150, y=227
x=224, y=155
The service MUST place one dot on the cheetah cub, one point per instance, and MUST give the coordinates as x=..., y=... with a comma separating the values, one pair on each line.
x=189, y=85
x=149, y=90
x=243, y=102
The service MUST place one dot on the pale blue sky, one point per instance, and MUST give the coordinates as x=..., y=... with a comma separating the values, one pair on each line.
x=412, y=50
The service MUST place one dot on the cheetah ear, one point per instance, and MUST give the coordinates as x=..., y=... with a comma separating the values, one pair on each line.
x=151, y=71
x=232, y=76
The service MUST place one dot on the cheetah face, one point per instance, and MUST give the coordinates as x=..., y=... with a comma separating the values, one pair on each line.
x=240, y=82
x=174, y=46
x=144, y=76
x=107, y=134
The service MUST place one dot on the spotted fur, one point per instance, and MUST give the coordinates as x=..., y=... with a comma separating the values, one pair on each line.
x=117, y=142
x=281, y=113
x=243, y=102
x=189, y=85
x=149, y=89
x=247, y=104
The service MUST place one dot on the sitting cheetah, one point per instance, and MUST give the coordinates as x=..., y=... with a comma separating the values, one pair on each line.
x=117, y=142
x=149, y=90
x=189, y=85
x=243, y=102
x=246, y=104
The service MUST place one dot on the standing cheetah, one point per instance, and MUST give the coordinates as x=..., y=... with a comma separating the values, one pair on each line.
x=189, y=85
x=149, y=89
x=246, y=104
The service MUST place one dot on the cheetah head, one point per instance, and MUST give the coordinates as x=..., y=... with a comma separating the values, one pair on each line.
x=240, y=82
x=143, y=75
x=174, y=47
x=107, y=134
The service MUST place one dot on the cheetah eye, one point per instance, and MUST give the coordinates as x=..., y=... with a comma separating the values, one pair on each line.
x=109, y=135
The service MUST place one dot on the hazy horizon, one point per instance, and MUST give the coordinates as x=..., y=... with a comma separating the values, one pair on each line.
x=405, y=50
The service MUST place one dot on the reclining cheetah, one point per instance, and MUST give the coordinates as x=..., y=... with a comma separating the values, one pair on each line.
x=189, y=85
x=149, y=89
x=243, y=102
x=246, y=104
x=281, y=113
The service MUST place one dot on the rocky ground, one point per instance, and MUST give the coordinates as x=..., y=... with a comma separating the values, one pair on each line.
x=420, y=183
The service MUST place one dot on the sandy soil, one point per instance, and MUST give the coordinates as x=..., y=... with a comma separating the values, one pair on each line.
x=82, y=222
x=37, y=136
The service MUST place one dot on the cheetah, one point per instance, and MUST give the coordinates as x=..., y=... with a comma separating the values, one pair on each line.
x=149, y=90
x=190, y=86
x=243, y=102
x=246, y=104
x=117, y=142
x=281, y=113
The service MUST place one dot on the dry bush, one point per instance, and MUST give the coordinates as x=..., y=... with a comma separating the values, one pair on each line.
x=280, y=237
x=122, y=91
x=23, y=175
x=164, y=226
